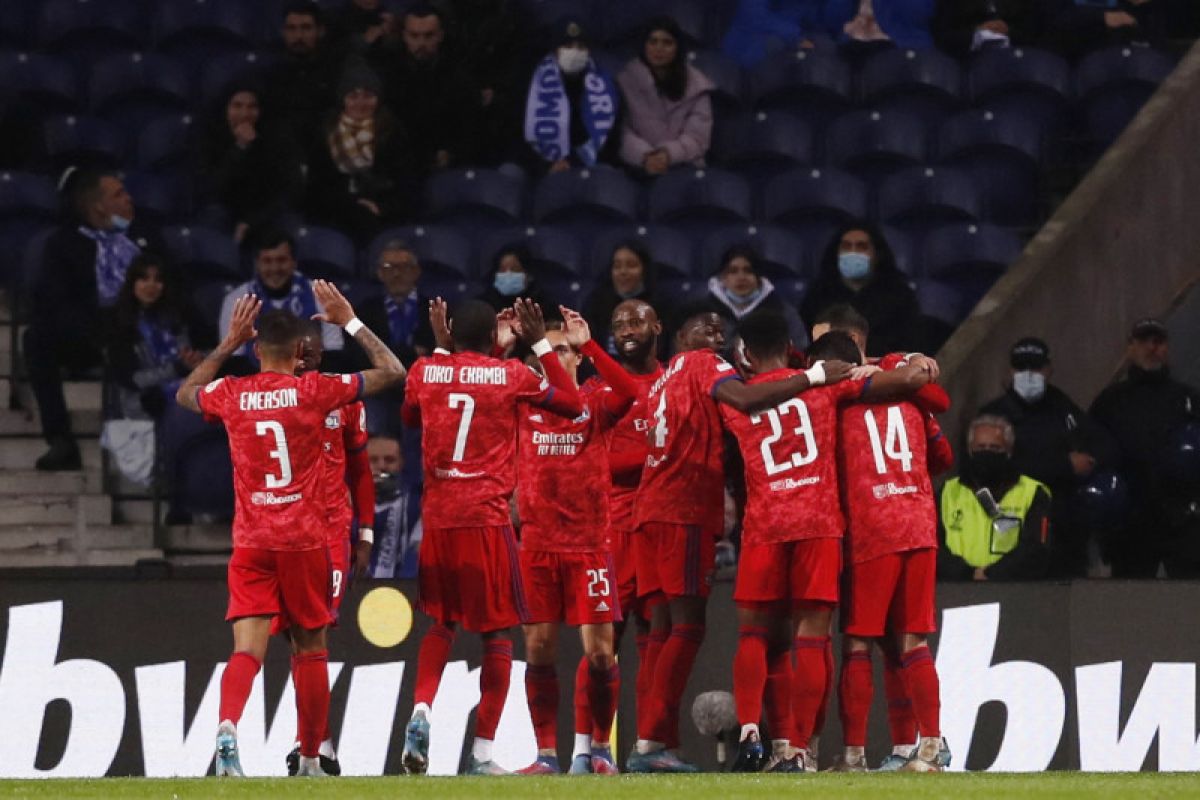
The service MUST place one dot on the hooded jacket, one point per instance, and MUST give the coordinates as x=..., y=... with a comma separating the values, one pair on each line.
x=682, y=127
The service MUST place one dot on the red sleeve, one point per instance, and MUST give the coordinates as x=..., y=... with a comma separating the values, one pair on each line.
x=362, y=486
x=932, y=399
x=410, y=410
x=721, y=371
x=939, y=456
x=848, y=390
x=335, y=391
x=561, y=396
x=211, y=399
x=624, y=387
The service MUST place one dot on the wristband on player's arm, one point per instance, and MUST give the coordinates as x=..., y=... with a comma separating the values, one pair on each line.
x=542, y=347
x=353, y=326
x=367, y=535
x=816, y=374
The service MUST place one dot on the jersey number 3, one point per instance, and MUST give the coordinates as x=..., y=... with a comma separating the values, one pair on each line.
x=280, y=453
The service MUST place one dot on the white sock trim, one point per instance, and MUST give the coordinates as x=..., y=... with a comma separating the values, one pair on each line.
x=583, y=745
x=482, y=750
x=422, y=709
x=748, y=729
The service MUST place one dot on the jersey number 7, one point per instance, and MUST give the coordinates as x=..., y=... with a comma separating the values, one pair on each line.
x=467, y=404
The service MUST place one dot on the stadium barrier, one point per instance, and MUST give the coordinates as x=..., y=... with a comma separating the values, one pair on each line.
x=122, y=678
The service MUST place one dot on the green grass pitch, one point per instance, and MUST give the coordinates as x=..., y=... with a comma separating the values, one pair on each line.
x=632, y=787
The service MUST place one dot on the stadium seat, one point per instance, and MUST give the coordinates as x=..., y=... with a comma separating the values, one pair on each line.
x=88, y=29
x=1034, y=82
x=28, y=204
x=906, y=250
x=625, y=23
x=554, y=252
x=442, y=251
x=762, y=144
x=1113, y=84
x=792, y=290
x=781, y=252
x=597, y=195
x=475, y=197
x=816, y=85
x=80, y=139
x=969, y=256
x=325, y=253
x=198, y=30
x=46, y=83
x=360, y=290
x=133, y=89
x=812, y=202
x=696, y=199
x=452, y=290
x=16, y=25
x=671, y=251
x=728, y=94
x=203, y=476
x=1002, y=152
x=221, y=71
x=680, y=291
x=569, y=290
x=942, y=302
x=208, y=296
x=926, y=82
x=875, y=144
x=920, y=198
x=204, y=254
x=166, y=142
x=545, y=16
x=160, y=198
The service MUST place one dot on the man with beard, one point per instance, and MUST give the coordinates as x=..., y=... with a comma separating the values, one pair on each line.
x=300, y=88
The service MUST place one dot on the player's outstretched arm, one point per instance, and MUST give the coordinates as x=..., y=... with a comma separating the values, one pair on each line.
x=241, y=330
x=903, y=382
x=565, y=399
x=624, y=387
x=387, y=370
x=755, y=397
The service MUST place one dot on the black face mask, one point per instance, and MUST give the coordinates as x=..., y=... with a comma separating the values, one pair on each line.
x=387, y=487
x=989, y=467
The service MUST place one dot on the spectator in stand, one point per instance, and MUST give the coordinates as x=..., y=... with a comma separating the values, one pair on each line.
x=82, y=271
x=279, y=285
x=250, y=169
x=961, y=27
x=1142, y=411
x=400, y=316
x=511, y=277
x=1076, y=27
x=739, y=288
x=149, y=343
x=361, y=23
x=571, y=114
x=1056, y=444
x=397, y=513
x=668, y=114
x=361, y=172
x=631, y=277
x=428, y=89
x=993, y=522
x=858, y=268
x=762, y=27
x=867, y=25
x=300, y=88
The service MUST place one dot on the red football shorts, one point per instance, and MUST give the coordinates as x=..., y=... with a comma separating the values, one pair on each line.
x=803, y=571
x=339, y=574
x=891, y=593
x=295, y=583
x=575, y=588
x=472, y=576
x=677, y=560
x=625, y=561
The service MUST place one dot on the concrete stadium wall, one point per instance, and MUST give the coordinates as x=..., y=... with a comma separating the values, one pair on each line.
x=1124, y=245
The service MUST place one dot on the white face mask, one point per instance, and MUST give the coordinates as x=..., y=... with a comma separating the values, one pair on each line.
x=118, y=223
x=572, y=60
x=1030, y=386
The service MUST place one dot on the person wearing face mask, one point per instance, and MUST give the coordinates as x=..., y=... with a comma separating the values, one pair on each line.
x=83, y=268
x=739, y=288
x=397, y=513
x=1142, y=411
x=858, y=268
x=571, y=113
x=510, y=278
x=1056, y=443
x=993, y=522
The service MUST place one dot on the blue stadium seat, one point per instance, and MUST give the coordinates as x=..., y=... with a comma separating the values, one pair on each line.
x=875, y=144
x=813, y=202
x=166, y=142
x=204, y=254
x=625, y=23
x=781, y=252
x=46, y=83
x=555, y=252
x=16, y=25
x=1002, y=152
x=568, y=290
x=133, y=89
x=1034, y=82
x=943, y=303
x=442, y=251
x=816, y=85
x=475, y=197
x=198, y=30
x=545, y=16
x=360, y=290
x=221, y=71
x=920, y=198
x=926, y=82
x=21, y=272
x=906, y=249
x=728, y=94
x=80, y=139
x=452, y=290
x=208, y=296
x=1113, y=84
x=203, y=476
x=970, y=256
x=28, y=204
x=696, y=199
x=325, y=253
x=680, y=291
x=597, y=195
x=792, y=290
x=762, y=144
x=160, y=198
x=90, y=29
x=671, y=251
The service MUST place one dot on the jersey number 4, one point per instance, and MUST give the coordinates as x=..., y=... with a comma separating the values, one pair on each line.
x=803, y=433
x=467, y=404
x=280, y=453
x=894, y=443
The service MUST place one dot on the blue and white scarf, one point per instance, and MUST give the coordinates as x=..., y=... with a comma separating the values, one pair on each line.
x=548, y=112
x=161, y=343
x=114, y=252
x=399, y=532
x=299, y=300
x=402, y=319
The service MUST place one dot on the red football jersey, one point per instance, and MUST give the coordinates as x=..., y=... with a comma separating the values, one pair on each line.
x=683, y=481
x=562, y=477
x=467, y=405
x=627, y=450
x=276, y=428
x=885, y=478
x=345, y=432
x=790, y=457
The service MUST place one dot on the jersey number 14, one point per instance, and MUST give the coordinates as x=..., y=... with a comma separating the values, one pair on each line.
x=894, y=443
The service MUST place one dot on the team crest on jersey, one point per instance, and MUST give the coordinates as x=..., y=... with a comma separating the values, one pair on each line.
x=334, y=420
x=213, y=385
x=536, y=418
x=584, y=417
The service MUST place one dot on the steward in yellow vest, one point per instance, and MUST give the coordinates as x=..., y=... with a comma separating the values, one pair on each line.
x=1007, y=542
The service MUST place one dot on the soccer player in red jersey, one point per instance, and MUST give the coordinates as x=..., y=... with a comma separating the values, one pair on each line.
x=790, y=565
x=566, y=566
x=635, y=328
x=680, y=510
x=467, y=404
x=280, y=561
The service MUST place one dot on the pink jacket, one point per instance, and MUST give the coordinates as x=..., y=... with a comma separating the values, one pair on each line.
x=682, y=127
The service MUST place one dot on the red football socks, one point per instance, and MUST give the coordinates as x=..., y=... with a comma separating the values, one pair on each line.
x=236, y=682
x=921, y=678
x=583, y=708
x=431, y=663
x=493, y=686
x=901, y=722
x=603, y=689
x=855, y=690
x=312, y=699
x=750, y=673
x=671, y=675
x=779, y=693
x=541, y=691
x=823, y=709
x=808, y=685
x=644, y=688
